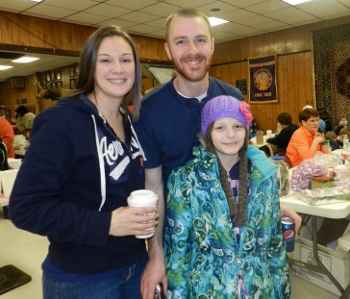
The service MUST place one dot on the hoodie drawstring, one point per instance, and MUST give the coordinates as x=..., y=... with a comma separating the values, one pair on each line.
x=101, y=166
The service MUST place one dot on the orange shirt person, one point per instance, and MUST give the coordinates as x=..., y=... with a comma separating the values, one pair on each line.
x=7, y=134
x=306, y=141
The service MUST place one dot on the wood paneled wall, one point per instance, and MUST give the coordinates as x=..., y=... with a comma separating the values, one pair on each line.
x=276, y=43
x=294, y=82
x=295, y=74
x=33, y=32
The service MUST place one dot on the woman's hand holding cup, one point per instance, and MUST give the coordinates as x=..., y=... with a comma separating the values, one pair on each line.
x=140, y=218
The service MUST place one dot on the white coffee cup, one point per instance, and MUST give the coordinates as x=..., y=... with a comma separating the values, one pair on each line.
x=143, y=199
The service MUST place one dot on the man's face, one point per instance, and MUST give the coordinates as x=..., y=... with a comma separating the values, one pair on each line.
x=190, y=46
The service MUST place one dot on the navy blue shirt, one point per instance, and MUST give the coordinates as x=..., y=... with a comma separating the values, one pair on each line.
x=169, y=124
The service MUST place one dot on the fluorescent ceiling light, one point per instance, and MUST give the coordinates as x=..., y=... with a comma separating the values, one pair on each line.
x=5, y=67
x=214, y=21
x=36, y=0
x=295, y=2
x=25, y=59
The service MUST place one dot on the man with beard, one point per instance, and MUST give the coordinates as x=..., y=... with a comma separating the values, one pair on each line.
x=170, y=119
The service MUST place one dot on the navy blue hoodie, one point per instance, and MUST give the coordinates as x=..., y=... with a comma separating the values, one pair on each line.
x=75, y=173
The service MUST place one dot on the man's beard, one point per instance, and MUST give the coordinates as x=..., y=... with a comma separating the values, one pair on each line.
x=193, y=77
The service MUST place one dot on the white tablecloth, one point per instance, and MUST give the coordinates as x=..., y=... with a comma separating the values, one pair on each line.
x=14, y=163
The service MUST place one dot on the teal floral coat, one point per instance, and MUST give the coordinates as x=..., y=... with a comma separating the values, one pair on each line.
x=204, y=257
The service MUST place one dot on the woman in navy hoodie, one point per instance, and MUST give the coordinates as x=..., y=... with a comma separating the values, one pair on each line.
x=83, y=162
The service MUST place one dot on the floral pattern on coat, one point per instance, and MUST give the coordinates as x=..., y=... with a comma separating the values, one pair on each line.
x=204, y=257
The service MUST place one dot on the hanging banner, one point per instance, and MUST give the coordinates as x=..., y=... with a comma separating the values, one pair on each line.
x=262, y=80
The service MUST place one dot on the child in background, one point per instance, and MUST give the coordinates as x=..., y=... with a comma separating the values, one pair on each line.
x=223, y=234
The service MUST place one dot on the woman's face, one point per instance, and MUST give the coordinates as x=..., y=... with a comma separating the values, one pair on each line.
x=115, y=68
x=228, y=136
x=312, y=124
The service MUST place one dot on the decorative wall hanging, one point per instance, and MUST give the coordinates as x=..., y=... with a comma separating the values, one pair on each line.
x=262, y=80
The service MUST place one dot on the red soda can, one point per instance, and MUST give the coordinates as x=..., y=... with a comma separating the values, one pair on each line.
x=288, y=230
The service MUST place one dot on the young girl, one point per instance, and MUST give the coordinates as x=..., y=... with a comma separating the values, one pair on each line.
x=223, y=232
x=83, y=162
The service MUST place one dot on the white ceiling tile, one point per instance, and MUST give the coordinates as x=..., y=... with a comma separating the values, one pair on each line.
x=291, y=15
x=224, y=8
x=325, y=8
x=338, y=15
x=138, y=17
x=118, y=22
x=345, y=2
x=132, y=4
x=301, y=23
x=16, y=5
x=189, y=4
x=160, y=9
x=49, y=11
x=234, y=28
x=270, y=25
x=247, y=18
x=160, y=23
x=243, y=3
x=267, y=6
x=107, y=11
x=141, y=28
x=155, y=27
x=76, y=4
x=84, y=18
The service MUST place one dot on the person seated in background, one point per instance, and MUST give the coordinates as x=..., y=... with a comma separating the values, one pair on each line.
x=325, y=120
x=322, y=127
x=24, y=120
x=343, y=124
x=285, y=130
x=344, y=132
x=306, y=141
x=6, y=133
x=20, y=144
x=333, y=141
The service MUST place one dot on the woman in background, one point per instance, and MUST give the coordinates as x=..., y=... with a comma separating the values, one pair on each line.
x=83, y=162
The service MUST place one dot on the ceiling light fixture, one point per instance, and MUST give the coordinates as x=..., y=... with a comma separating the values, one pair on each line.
x=36, y=0
x=5, y=67
x=25, y=59
x=214, y=21
x=296, y=2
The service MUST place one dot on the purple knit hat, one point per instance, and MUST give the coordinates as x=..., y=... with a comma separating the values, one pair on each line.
x=225, y=106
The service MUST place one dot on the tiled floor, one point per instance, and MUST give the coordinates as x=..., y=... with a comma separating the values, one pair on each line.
x=26, y=251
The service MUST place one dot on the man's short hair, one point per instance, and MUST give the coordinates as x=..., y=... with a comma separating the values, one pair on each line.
x=308, y=113
x=187, y=13
x=284, y=118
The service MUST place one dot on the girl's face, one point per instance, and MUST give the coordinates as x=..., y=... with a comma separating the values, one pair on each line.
x=228, y=136
x=115, y=68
